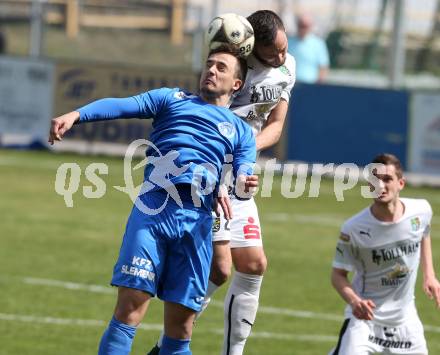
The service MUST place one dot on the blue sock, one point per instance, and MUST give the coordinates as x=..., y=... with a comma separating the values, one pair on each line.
x=175, y=346
x=117, y=338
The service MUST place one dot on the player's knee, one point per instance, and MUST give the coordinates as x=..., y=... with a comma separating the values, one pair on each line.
x=128, y=315
x=131, y=306
x=255, y=266
x=179, y=331
x=220, y=273
x=261, y=266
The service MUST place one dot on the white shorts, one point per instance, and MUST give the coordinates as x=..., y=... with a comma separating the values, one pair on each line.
x=243, y=230
x=359, y=337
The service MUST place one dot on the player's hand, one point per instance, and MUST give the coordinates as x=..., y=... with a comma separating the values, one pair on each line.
x=60, y=125
x=431, y=286
x=363, y=309
x=245, y=186
x=222, y=203
x=251, y=183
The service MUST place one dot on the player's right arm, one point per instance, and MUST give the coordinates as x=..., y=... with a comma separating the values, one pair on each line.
x=362, y=308
x=342, y=264
x=145, y=105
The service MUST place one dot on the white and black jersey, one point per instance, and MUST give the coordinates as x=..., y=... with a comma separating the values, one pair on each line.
x=263, y=89
x=385, y=257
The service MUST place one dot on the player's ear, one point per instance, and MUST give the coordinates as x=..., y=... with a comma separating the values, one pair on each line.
x=402, y=182
x=237, y=84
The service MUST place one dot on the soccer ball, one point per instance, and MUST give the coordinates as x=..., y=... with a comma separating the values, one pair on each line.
x=231, y=29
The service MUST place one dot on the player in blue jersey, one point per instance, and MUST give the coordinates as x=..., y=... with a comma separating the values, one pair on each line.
x=169, y=254
x=262, y=103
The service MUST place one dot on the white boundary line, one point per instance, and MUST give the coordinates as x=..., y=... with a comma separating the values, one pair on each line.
x=159, y=327
x=266, y=310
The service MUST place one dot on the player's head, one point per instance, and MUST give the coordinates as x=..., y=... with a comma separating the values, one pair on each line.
x=390, y=174
x=304, y=24
x=224, y=73
x=270, y=38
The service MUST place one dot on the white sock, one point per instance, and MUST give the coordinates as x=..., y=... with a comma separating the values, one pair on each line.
x=241, y=305
x=212, y=287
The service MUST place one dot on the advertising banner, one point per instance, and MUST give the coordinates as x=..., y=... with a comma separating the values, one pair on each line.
x=26, y=98
x=424, y=152
x=80, y=83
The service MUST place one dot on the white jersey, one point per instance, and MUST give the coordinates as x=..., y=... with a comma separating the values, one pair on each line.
x=385, y=257
x=264, y=87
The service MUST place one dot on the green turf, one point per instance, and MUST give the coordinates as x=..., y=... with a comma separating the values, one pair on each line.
x=40, y=238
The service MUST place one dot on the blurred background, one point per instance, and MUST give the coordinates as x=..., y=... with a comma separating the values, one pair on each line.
x=374, y=86
x=379, y=91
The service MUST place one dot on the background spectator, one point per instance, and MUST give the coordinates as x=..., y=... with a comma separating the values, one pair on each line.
x=310, y=52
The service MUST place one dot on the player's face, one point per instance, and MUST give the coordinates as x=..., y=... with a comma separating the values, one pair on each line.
x=219, y=75
x=390, y=184
x=275, y=54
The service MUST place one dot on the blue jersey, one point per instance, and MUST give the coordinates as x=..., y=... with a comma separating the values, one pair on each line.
x=192, y=136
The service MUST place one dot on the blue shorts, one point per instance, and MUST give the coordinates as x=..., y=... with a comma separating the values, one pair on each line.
x=167, y=254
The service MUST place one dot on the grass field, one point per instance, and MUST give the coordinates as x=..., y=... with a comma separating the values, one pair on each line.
x=56, y=263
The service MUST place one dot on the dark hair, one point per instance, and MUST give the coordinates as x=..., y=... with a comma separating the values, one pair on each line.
x=241, y=69
x=389, y=159
x=266, y=24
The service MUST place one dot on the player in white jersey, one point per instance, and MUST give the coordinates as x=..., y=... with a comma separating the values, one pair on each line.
x=383, y=245
x=262, y=102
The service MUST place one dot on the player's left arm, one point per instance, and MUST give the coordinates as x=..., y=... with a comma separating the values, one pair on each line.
x=431, y=285
x=271, y=132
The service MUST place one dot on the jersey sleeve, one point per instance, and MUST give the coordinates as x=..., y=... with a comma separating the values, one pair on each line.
x=291, y=67
x=109, y=109
x=146, y=105
x=344, y=251
x=152, y=102
x=245, y=151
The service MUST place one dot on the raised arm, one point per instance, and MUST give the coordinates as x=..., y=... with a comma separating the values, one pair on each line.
x=104, y=109
x=431, y=285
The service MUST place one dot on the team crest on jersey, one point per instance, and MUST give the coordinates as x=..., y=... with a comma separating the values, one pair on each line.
x=216, y=225
x=284, y=70
x=226, y=129
x=180, y=95
x=415, y=224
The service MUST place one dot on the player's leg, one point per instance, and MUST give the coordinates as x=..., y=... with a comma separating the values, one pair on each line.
x=129, y=311
x=136, y=274
x=178, y=323
x=220, y=266
x=185, y=278
x=220, y=271
x=241, y=303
